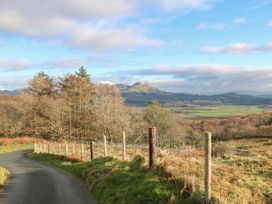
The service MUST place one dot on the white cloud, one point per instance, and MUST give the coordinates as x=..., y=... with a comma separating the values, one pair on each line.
x=107, y=82
x=191, y=78
x=81, y=23
x=239, y=20
x=10, y=82
x=65, y=63
x=237, y=48
x=200, y=78
x=13, y=65
x=104, y=39
x=18, y=65
x=87, y=24
x=216, y=26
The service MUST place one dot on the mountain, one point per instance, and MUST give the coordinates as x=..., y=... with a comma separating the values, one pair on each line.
x=10, y=92
x=138, y=87
x=140, y=94
x=265, y=96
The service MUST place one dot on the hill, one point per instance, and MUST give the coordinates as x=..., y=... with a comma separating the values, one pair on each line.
x=10, y=92
x=140, y=94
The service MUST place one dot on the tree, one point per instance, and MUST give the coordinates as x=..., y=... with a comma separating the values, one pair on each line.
x=111, y=114
x=42, y=85
x=11, y=115
x=37, y=102
x=78, y=93
x=157, y=116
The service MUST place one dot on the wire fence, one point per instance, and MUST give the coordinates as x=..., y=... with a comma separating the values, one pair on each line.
x=234, y=164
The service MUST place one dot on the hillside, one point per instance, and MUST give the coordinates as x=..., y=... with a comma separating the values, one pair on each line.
x=140, y=94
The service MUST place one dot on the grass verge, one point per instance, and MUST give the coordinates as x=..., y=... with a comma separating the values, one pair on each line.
x=113, y=181
x=4, y=174
x=13, y=148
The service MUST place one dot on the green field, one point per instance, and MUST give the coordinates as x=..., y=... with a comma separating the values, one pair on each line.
x=13, y=148
x=220, y=111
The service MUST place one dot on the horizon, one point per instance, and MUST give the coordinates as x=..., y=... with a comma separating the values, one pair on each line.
x=177, y=46
x=249, y=93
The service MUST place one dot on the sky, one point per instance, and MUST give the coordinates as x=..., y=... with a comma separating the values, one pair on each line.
x=192, y=46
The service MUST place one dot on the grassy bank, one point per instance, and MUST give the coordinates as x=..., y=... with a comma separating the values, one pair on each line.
x=241, y=173
x=4, y=174
x=113, y=181
x=17, y=143
x=15, y=147
x=241, y=170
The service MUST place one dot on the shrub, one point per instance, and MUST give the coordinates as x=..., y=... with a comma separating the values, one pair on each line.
x=219, y=149
x=195, y=138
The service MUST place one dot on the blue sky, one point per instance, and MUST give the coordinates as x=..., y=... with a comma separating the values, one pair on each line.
x=197, y=46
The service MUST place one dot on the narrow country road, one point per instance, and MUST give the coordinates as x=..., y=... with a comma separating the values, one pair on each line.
x=35, y=183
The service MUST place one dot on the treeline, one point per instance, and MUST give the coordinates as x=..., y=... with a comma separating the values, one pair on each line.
x=71, y=108
x=74, y=108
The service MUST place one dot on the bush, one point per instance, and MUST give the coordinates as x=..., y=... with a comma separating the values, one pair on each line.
x=195, y=138
x=219, y=149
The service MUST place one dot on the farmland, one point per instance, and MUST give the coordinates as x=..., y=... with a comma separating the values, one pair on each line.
x=220, y=111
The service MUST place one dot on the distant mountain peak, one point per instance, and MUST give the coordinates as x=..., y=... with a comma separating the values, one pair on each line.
x=139, y=84
x=140, y=87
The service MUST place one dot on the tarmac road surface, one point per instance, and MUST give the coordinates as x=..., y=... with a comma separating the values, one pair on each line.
x=34, y=183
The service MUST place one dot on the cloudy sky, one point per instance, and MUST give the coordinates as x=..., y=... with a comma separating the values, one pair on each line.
x=197, y=46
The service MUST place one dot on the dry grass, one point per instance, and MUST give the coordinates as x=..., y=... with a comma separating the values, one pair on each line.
x=16, y=144
x=4, y=174
x=240, y=174
x=5, y=141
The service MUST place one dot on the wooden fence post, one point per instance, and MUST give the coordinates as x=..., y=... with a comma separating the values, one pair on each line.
x=208, y=162
x=74, y=148
x=44, y=151
x=59, y=149
x=54, y=148
x=124, y=147
x=105, y=146
x=152, y=147
x=35, y=148
x=49, y=149
x=91, y=150
x=66, y=149
x=40, y=147
x=82, y=152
